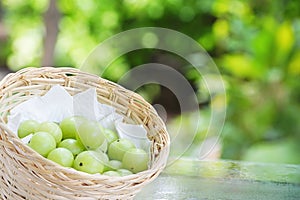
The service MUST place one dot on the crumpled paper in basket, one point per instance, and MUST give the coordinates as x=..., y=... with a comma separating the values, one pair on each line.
x=58, y=104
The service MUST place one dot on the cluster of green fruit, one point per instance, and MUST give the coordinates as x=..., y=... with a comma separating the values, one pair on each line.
x=84, y=145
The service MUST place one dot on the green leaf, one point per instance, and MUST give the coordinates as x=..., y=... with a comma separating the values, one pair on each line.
x=241, y=65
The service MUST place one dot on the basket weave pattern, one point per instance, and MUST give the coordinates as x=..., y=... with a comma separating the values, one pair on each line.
x=24, y=174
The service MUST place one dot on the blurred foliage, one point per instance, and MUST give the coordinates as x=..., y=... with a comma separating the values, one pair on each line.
x=255, y=44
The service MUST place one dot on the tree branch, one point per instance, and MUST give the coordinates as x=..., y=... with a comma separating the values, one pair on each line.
x=51, y=20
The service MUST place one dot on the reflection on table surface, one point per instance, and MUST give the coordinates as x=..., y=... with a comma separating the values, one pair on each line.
x=194, y=179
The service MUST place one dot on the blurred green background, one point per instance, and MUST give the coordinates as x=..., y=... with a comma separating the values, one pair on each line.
x=255, y=44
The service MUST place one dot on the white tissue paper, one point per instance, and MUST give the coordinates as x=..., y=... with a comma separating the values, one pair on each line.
x=58, y=104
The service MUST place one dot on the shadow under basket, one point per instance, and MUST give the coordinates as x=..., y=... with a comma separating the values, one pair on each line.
x=24, y=174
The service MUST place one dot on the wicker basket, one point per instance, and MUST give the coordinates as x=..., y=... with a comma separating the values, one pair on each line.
x=27, y=175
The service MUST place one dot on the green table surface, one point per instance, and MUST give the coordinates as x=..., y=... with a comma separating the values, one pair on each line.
x=195, y=179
